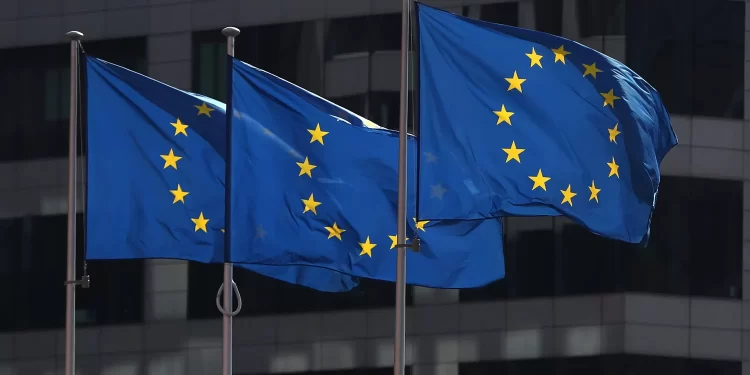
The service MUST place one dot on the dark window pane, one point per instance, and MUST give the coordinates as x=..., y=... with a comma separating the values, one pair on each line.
x=212, y=72
x=715, y=233
x=347, y=35
x=33, y=254
x=621, y=364
x=678, y=46
x=601, y=17
x=663, y=266
x=533, y=259
x=696, y=243
x=385, y=32
x=548, y=16
x=504, y=13
x=589, y=262
x=36, y=84
x=11, y=238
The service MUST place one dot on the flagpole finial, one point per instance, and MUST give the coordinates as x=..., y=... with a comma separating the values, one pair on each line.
x=74, y=35
x=230, y=31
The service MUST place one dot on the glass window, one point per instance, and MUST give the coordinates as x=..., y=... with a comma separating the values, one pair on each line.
x=33, y=258
x=679, y=46
x=548, y=16
x=36, y=83
x=211, y=78
x=586, y=257
x=621, y=364
x=354, y=62
x=696, y=243
x=601, y=17
x=505, y=13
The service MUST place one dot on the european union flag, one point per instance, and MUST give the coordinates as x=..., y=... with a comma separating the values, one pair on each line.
x=320, y=183
x=156, y=167
x=519, y=122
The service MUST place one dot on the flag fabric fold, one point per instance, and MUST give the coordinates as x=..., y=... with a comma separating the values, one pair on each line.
x=311, y=183
x=516, y=122
x=155, y=176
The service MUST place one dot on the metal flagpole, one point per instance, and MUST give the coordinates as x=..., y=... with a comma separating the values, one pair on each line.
x=70, y=284
x=229, y=285
x=400, y=334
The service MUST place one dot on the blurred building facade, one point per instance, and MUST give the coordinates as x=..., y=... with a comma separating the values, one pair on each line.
x=572, y=302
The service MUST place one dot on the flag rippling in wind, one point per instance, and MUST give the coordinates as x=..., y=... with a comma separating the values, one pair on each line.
x=310, y=183
x=520, y=122
x=155, y=176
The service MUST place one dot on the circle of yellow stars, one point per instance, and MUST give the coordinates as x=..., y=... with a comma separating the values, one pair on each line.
x=317, y=135
x=514, y=152
x=171, y=159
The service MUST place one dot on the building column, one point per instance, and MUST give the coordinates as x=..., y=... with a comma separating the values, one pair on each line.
x=745, y=346
x=526, y=14
x=570, y=28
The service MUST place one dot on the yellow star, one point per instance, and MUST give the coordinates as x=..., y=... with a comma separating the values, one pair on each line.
x=613, y=168
x=200, y=223
x=513, y=152
x=394, y=241
x=539, y=181
x=535, y=59
x=594, y=192
x=591, y=69
x=317, y=134
x=170, y=160
x=609, y=98
x=335, y=231
x=306, y=168
x=367, y=247
x=420, y=224
x=515, y=82
x=568, y=196
x=310, y=204
x=560, y=54
x=203, y=109
x=503, y=115
x=614, y=132
x=179, y=127
x=179, y=194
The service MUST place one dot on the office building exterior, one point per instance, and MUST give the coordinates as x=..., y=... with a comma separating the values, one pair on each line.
x=572, y=302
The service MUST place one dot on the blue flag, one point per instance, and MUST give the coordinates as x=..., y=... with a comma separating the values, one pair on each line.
x=519, y=122
x=320, y=184
x=156, y=167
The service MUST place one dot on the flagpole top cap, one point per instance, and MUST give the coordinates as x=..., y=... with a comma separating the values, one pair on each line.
x=230, y=31
x=74, y=35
